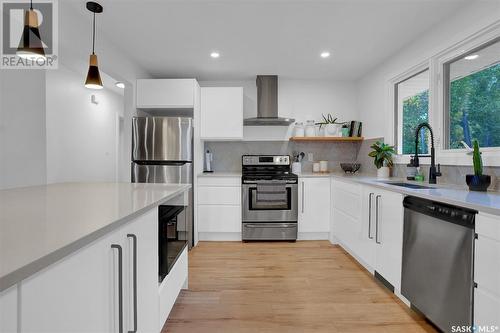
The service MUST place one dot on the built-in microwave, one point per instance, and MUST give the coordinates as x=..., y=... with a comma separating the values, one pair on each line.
x=173, y=235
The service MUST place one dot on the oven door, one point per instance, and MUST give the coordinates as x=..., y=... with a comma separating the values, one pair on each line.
x=255, y=212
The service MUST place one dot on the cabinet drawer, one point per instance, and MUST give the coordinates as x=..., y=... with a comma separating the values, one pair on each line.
x=488, y=225
x=346, y=201
x=487, y=274
x=486, y=309
x=219, y=218
x=219, y=181
x=208, y=195
x=349, y=187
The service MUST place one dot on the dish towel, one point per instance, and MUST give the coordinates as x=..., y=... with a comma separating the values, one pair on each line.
x=271, y=193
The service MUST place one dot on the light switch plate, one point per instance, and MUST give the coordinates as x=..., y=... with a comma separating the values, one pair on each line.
x=310, y=157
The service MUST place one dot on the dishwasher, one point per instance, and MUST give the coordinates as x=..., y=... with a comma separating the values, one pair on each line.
x=438, y=261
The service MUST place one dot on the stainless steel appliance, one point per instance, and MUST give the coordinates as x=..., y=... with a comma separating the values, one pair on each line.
x=162, y=152
x=269, y=198
x=267, y=104
x=172, y=237
x=437, y=272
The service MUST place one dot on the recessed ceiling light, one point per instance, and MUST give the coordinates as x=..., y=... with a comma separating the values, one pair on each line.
x=325, y=54
x=215, y=54
x=120, y=85
x=471, y=57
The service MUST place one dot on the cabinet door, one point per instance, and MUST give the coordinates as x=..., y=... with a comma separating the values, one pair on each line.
x=165, y=93
x=78, y=294
x=219, y=218
x=222, y=113
x=141, y=273
x=8, y=310
x=366, y=237
x=486, y=309
x=314, y=205
x=389, y=236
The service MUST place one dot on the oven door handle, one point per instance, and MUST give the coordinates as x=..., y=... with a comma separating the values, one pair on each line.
x=291, y=225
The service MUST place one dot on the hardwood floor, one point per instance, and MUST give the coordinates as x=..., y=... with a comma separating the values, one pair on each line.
x=309, y=286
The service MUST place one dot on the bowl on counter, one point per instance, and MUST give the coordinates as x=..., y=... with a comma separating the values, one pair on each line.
x=350, y=167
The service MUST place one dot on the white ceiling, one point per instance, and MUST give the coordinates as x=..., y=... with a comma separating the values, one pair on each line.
x=175, y=38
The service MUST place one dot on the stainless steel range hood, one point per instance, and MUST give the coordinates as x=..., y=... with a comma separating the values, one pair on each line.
x=267, y=104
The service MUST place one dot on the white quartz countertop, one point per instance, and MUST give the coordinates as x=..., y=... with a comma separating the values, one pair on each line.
x=40, y=225
x=487, y=202
x=219, y=174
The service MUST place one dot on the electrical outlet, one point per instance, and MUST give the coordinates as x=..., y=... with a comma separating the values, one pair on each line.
x=310, y=157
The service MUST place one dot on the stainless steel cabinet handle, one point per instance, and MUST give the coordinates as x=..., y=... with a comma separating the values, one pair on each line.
x=370, y=215
x=120, y=287
x=134, y=273
x=376, y=218
x=263, y=225
x=303, y=187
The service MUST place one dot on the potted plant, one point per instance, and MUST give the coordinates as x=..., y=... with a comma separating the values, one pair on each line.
x=477, y=181
x=382, y=158
x=332, y=127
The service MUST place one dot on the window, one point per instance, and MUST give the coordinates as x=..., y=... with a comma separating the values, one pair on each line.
x=472, y=98
x=412, y=108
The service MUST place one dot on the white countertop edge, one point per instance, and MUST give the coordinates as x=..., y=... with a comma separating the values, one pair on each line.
x=219, y=174
x=39, y=264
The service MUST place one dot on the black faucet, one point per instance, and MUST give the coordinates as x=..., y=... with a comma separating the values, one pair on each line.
x=433, y=173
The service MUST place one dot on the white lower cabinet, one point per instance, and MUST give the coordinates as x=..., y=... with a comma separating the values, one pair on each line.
x=368, y=222
x=82, y=293
x=8, y=310
x=486, y=271
x=314, y=208
x=219, y=208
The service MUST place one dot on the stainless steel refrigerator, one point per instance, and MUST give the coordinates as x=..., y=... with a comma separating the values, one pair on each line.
x=162, y=152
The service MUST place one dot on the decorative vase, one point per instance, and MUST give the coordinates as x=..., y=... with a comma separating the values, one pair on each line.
x=384, y=172
x=478, y=183
x=331, y=130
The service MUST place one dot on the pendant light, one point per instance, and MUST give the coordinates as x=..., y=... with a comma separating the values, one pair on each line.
x=31, y=45
x=93, y=80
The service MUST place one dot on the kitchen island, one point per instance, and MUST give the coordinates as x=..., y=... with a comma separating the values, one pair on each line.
x=94, y=245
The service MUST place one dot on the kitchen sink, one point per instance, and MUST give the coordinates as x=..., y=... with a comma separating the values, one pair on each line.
x=409, y=185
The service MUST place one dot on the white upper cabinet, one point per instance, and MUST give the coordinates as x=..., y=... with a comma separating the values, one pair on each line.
x=165, y=93
x=222, y=113
x=314, y=208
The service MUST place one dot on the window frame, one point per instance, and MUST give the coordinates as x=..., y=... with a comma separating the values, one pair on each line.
x=438, y=87
x=398, y=116
x=478, y=41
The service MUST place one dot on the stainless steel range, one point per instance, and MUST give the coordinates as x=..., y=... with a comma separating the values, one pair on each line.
x=269, y=198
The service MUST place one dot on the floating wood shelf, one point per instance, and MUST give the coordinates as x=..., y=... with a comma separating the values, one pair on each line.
x=326, y=139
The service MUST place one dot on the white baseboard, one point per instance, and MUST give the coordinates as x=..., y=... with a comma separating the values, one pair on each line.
x=220, y=236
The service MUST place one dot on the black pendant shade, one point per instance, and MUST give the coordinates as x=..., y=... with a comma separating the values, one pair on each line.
x=93, y=80
x=30, y=45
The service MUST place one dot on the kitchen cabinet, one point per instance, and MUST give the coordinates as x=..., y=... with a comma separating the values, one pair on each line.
x=222, y=113
x=82, y=293
x=486, y=274
x=8, y=310
x=165, y=93
x=368, y=222
x=219, y=208
x=387, y=234
x=314, y=208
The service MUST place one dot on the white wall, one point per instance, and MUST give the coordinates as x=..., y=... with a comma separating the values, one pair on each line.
x=82, y=137
x=299, y=99
x=375, y=106
x=22, y=128
x=23, y=134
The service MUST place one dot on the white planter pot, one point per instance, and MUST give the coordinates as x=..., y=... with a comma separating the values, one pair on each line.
x=384, y=172
x=332, y=129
